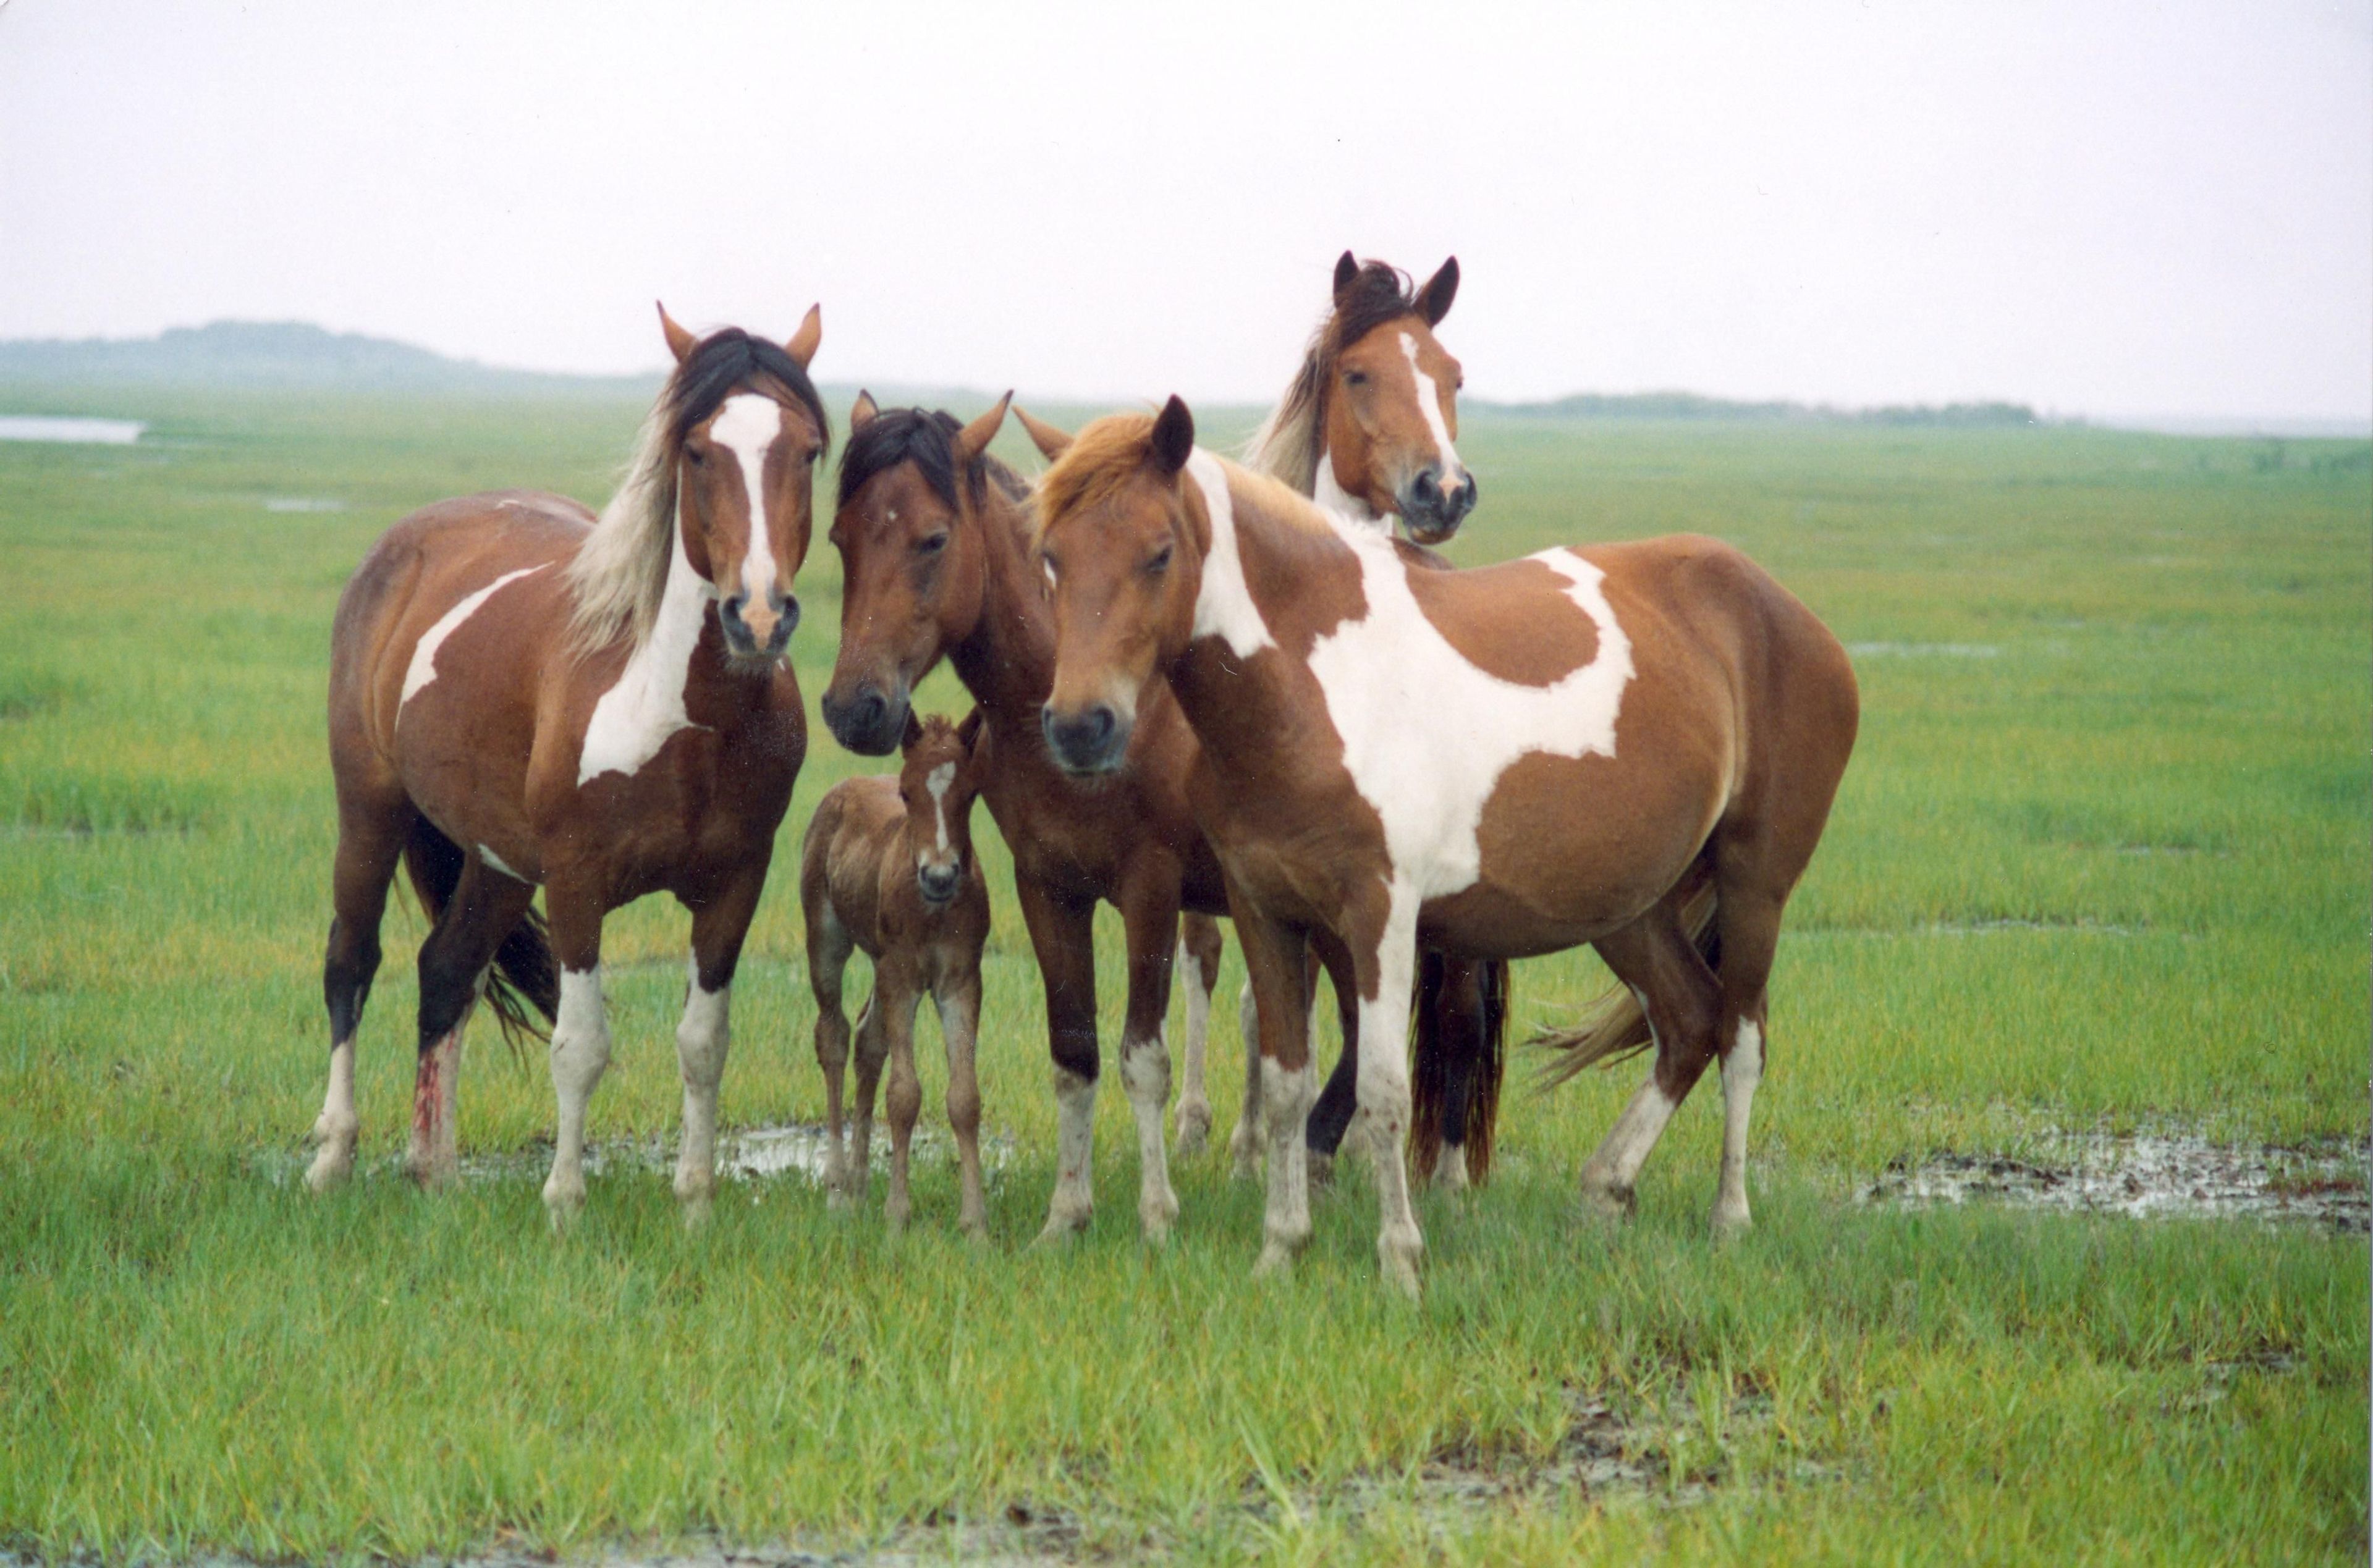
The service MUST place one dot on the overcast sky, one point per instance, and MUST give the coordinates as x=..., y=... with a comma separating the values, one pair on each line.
x=2114, y=210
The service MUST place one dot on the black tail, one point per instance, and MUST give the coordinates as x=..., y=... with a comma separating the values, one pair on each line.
x=524, y=979
x=1458, y=1037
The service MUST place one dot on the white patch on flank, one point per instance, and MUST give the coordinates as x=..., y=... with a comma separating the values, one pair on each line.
x=1330, y=494
x=491, y=858
x=1224, y=606
x=1427, y=734
x=423, y=667
x=937, y=782
x=1429, y=403
x=635, y=717
x=747, y=426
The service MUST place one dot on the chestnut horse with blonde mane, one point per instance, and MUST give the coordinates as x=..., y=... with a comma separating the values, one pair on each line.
x=1512, y=760
x=524, y=695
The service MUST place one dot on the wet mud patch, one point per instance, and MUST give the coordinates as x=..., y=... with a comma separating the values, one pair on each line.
x=2151, y=1174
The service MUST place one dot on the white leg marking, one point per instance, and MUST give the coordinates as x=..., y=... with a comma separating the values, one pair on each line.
x=1145, y=1078
x=747, y=426
x=434, y=1155
x=336, y=1129
x=423, y=667
x=1194, y=1113
x=635, y=717
x=701, y=1041
x=1286, y=1225
x=1244, y=1144
x=1741, y=1069
x=1383, y=1093
x=580, y=1052
x=1608, y=1175
x=497, y=862
x=1073, y=1203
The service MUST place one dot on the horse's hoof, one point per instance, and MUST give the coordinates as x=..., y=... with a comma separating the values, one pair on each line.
x=433, y=1174
x=1730, y=1223
x=1276, y=1262
x=563, y=1202
x=1606, y=1205
x=695, y=1212
x=1194, y=1131
x=330, y=1169
x=1401, y=1276
x=1321, y=1168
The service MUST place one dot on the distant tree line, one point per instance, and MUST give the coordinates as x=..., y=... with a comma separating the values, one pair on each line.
x=1692, y=405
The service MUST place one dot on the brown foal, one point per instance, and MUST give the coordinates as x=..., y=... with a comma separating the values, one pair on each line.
x=887, y=869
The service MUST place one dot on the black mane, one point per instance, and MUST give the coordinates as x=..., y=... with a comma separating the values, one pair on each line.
x=723, y=364
x=1378, y=293
x=927, y=439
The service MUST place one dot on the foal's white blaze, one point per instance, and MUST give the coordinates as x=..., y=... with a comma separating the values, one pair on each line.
x=636, y=717
x=423, y=667
x=1224, y=606
x=1429, y=403
x=936, y=782
x=1430, y=781
x=747, y=426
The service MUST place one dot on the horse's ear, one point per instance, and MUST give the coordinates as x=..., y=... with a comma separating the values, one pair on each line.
x=1051, y=442
x=802, y=346
x=913, y=732
x=863, y=412
x=1434, y=300
x=968, y=732
x=1346, y=267
x=974, y=438
x=680, y=343
x=1174, y=438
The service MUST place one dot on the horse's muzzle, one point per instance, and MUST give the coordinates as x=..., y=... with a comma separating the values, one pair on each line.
x=1094, y=740
x=758, y=631
x=869, y=723
x=1433, y=506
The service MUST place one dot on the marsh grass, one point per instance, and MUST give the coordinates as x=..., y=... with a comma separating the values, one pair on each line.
x=2111, y=872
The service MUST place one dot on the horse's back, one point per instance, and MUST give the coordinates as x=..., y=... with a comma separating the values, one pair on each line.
x=841, y=854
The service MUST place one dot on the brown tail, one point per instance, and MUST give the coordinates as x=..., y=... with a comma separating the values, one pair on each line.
x=1434, y=1067
x=524, y=979
x=1615, y=1025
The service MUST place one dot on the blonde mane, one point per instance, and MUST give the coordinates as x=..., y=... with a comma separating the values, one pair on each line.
x=621, y=570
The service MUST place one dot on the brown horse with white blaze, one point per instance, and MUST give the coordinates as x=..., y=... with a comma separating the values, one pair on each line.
x=524, y=695
x=1499, y=763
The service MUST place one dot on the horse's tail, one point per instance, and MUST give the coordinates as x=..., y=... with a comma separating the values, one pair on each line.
x=1434, y=1082
x=524, y=979
x=1617, y=1025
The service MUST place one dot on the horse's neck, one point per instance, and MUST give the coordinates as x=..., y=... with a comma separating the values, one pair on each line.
x=1007, y=660
x=672, y=671
x=1332, y=497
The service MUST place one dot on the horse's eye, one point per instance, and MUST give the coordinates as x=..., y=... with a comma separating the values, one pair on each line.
x=932, y=545
x=1161, y=560
x=1355, y=378
x=696, y=455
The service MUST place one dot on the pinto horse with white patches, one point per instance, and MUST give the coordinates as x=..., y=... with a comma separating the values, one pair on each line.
x=887, y=869
x=523, y=694
x=1500, y=762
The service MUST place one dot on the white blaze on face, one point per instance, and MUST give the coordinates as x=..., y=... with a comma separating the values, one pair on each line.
x=937, y=782
x=423, y=667
x=1429, y=403
x=1223, y=605
x=1427, y=734
x=747, y=426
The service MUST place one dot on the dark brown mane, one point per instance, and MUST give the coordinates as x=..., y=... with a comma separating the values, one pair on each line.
x=1286, y=446
x=925, y=437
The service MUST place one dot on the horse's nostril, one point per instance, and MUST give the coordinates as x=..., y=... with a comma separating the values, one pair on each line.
x=1427, y=488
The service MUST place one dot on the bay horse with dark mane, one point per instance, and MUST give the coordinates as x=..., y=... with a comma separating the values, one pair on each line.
x=1517, y=759
x=524, y=695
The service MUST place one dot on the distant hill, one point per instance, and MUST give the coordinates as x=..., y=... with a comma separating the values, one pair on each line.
x=1690, y=406
x=263, y=354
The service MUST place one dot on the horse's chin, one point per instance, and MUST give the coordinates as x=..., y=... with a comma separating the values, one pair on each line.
x=755, y=662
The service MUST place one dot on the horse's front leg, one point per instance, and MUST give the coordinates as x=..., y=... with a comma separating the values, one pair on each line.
x=705, y=1033
x=1198, y=958
x=1149, y=919
x=581, y=1041
x=1062, y=933
x=1384, y=960
x=1273, y=958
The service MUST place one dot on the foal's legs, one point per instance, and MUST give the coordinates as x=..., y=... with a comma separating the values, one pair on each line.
x=1062, y=933
x=1199, y=960
x=896, y=995
x=704, y=1035
x=1654, y=957
x=959, y=1004
x=370, y=841
x=829, y=946
x=484, y=906
x=873, y=1052
x=580, y=1040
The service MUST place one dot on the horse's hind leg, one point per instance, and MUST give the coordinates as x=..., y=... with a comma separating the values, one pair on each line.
x=483, y=908
x=371, y=834
x=1654, y=957
x=1198, y=962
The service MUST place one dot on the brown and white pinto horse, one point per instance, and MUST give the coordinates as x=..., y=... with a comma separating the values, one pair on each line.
x=522, y=695
x=1500, y=762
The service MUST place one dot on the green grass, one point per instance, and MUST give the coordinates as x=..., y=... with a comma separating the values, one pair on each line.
x=2101, y=859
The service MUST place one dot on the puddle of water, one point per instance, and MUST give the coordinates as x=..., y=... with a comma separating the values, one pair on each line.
x=303, y=503
x=1923, y=650
x=2148, y=1176
x=75, y=432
